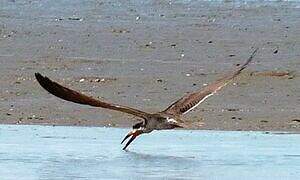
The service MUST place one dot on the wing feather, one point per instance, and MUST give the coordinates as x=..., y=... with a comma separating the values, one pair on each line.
x=192, y=100
x=76, y=97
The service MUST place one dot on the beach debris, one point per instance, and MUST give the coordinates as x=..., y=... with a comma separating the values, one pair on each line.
x=35, y=117
x=137, y=18
x=182, y=55
x=277, y=19
x=231, y=55
x=82, y=80
x=120, y=31
x=287, y=74
x=111, y=125
x=58, y=19
x=187, y=75
x=296, y=120
x=159, y=80
x=149, y=45
x=19, y=121
x=264, y=121
x=98, y=80
x=211, y=20
x=201, y=74
x=121, y=92
x=10, y=34
x=75, y=18
x=173, y=45
x=275, y=51
x=232, y=109
x=235, y=118
x=209, y=42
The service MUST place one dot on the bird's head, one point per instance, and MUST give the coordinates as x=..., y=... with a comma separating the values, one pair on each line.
x=138, y=125
x=137, y=129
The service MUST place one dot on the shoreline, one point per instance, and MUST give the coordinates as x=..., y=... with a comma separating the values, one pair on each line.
x=274, y=132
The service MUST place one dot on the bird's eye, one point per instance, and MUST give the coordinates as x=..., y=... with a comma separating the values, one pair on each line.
x=138, y=125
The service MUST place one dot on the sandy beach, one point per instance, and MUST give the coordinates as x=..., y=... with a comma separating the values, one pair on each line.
x=147, y=54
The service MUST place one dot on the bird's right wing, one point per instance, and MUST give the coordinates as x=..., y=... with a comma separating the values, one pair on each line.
x=192, y=100
x=76, y=97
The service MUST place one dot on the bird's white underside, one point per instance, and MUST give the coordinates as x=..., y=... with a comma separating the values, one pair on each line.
x=198, y=103
x=171, y=120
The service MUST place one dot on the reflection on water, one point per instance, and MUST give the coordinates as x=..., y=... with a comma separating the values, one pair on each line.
x=146, y=157
x=40, y=152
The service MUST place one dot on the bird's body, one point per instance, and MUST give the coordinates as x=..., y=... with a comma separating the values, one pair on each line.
x=169, y=118
x=161, y=121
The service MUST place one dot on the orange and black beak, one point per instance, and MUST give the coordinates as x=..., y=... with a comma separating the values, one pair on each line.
x=134, y=133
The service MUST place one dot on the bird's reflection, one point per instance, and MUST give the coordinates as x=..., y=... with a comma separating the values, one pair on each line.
x=157, y=157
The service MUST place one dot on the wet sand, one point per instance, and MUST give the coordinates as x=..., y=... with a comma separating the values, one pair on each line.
x=147, y=55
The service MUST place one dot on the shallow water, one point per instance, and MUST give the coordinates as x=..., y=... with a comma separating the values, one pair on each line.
x=45, y=152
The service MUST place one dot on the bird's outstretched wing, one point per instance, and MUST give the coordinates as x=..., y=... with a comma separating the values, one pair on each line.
x=192, y=100
x=76, y=97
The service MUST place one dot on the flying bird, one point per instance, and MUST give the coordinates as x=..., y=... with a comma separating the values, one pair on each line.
x=169, y=118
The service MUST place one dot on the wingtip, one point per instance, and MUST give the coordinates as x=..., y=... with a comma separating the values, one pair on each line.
x=255, y=51
x=42, y=80
x=249, y=59
x=37, y=75
x=253, y=54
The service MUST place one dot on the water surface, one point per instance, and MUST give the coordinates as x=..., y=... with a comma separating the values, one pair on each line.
x=45, y=152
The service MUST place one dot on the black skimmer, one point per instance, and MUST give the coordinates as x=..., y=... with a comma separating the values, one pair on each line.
x=169, y=118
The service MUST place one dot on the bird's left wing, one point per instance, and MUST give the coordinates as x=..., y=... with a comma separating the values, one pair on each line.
x=76, y=97
x=190, y=101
